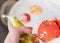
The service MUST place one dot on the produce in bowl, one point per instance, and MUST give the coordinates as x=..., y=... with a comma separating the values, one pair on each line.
x=25, y=18
x=48, y=30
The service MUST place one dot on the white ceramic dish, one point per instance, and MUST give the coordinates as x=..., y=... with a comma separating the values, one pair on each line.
x=49, y=11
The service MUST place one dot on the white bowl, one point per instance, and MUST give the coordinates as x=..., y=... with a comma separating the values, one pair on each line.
x=49, y=11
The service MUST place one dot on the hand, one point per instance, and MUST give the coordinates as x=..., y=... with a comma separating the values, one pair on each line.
x=14, y=34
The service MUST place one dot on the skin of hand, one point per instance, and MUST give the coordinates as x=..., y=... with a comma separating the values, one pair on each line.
x=15, y=33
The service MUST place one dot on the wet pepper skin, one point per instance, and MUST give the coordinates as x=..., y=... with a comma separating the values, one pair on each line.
x=48, y=30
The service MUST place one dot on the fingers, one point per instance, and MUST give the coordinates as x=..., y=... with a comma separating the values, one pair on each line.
x=14, y=34
x=26, y=30
x=20, y=30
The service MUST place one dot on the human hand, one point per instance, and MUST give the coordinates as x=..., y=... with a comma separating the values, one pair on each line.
x=14, y=34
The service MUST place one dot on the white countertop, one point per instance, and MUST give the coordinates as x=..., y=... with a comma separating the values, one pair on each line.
x=56, y=1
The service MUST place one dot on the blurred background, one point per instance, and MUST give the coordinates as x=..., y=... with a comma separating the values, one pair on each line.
x=5, y=6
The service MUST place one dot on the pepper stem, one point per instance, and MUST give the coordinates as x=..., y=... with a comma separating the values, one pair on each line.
x=47, y=23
